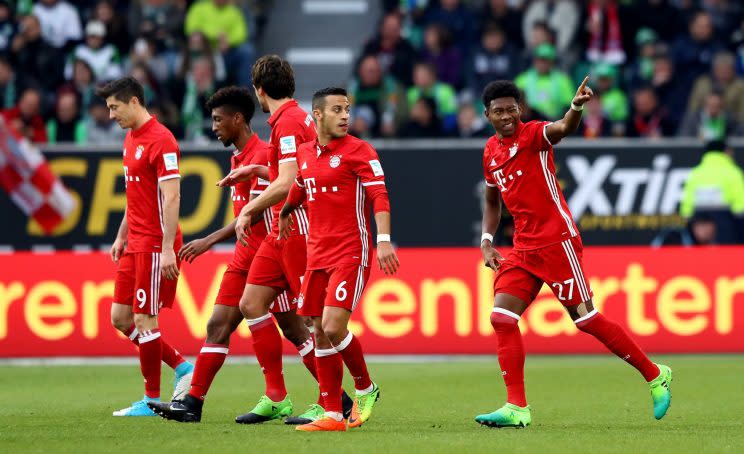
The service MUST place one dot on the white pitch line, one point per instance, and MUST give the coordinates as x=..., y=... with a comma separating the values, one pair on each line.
x=320, y=56
x=334, y=7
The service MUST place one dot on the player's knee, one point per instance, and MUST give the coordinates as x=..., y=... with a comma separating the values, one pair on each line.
x=250, y=309
x=503, y=319
x=335, y=331
x=121, y=322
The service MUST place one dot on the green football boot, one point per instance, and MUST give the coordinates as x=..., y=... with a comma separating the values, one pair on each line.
x=661, y=391
x=509, y=415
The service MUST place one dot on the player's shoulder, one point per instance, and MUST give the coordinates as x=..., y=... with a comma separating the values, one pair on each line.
x=160, y=133
x=359, y=147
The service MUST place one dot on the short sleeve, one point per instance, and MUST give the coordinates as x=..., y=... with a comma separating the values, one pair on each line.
x=367, y=166
x=289, y=137
x=166, y=156
x=260, y=158
x=540, y=134
x=490, y=181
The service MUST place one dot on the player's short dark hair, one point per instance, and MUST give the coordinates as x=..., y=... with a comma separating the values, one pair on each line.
x=233, y=99
x=123, y=90
x=320, y=95
x=274, y=75
x=501, y=89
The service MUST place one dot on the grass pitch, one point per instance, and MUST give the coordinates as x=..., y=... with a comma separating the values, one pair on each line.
x=580, y=404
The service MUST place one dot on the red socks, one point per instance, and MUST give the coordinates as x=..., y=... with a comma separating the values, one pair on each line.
x=330, y=377
x=208, y=363
x=267, y=342
x=150, y=353
x=511, y=354
x=307, y=353
x=171, y=356
x=616, y=339
x=351, y=351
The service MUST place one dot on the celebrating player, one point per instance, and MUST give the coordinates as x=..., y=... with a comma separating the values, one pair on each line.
x=148, y=237
x=232, y=110
x=519, y=169
x=340, y=179
x=279, y=264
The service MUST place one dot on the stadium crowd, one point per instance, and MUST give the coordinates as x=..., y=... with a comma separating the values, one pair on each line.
x=659, y=67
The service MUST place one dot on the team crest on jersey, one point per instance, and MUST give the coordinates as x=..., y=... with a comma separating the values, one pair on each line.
x=138, y=153
x=300, y=301
x=513, y=150
x=335, y=161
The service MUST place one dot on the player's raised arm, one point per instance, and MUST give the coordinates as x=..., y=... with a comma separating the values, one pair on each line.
x=570, y=122
x=244, y=173
x=120, y=243
x=171, y=199
x=491, y=219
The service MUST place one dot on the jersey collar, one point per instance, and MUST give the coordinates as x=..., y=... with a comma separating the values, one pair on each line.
x=333, y=145
x=278, y=113
x=248, y=146
x=145, y=127
x=512, y=138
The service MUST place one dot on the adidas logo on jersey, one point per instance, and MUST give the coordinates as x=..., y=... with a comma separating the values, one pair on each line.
x=304, y=166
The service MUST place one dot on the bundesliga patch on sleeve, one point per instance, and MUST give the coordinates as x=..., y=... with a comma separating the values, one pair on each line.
x=376, y=168
x=287, y=145
x=171, y=161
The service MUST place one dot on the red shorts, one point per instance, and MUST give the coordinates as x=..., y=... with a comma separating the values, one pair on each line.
x=559, y=265
x=279, y=263
x=339, y=287
x=138, y=283
x=233, y=284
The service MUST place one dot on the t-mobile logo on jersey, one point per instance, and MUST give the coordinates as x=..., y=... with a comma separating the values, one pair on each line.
x=311, y=189
x=501, y=179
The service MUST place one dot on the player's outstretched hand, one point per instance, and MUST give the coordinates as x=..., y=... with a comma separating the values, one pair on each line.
x=285, y=226
x=238, y=175
x=387, y=258
x=243, y=228
x=168, y=265
x=491, y=257
x=583, y=93
x=117, y=249
x=193, y=249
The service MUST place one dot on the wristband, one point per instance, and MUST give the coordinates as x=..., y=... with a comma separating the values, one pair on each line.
x=486, y=236
x=576, y=108
x=383, y=237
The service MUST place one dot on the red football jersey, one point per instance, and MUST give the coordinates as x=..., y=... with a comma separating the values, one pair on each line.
x=254, y=152
x=337, y=179
x=151, y=155
x=522, y=167
x=290, y=127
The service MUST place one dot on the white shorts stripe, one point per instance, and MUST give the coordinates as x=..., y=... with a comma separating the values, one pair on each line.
x=156, y=300
x=511, y=314
x=576, y=269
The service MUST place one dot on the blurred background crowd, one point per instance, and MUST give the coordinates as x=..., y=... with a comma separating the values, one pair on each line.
x=660, y=67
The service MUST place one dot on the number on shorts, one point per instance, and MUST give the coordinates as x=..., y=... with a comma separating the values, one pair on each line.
x=559, y=286
x=341, y=291
x=141, y=297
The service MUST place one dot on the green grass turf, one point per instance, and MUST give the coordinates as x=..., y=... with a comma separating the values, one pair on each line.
x=580, y=404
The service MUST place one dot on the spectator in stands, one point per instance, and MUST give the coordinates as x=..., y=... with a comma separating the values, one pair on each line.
x=7, y=27
x=494, y=59
x=648, y=119
x=144, y=52
x=25, y=118
x=60, y=23
x=363, y=121
x=227, y=30
x=36, y=61
x=724, y=14
x=10, y=86
x=657, y=15
x=381, y=94
x=712, y=122
x=540, y=34
x=612, y=99
x=604, y=32
x=457, y=17
x=198, y=47
x=503, y=15
x=470, y=124
x=83, y=83
x=396, y=54
x=693, y=52
x=200, y=86
x=144, y=76
x=103, y=58
x=548, y=91
x=160, y=20
x=66, y=125
x=98, y=128
x=423, y=121
x=116, y=25
x=442, y=54
x=595, y=122
x=641, y=70
x=562, y=16
x=714, y=191
x=669, y=89
x=723, y=79
x=443, y=95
